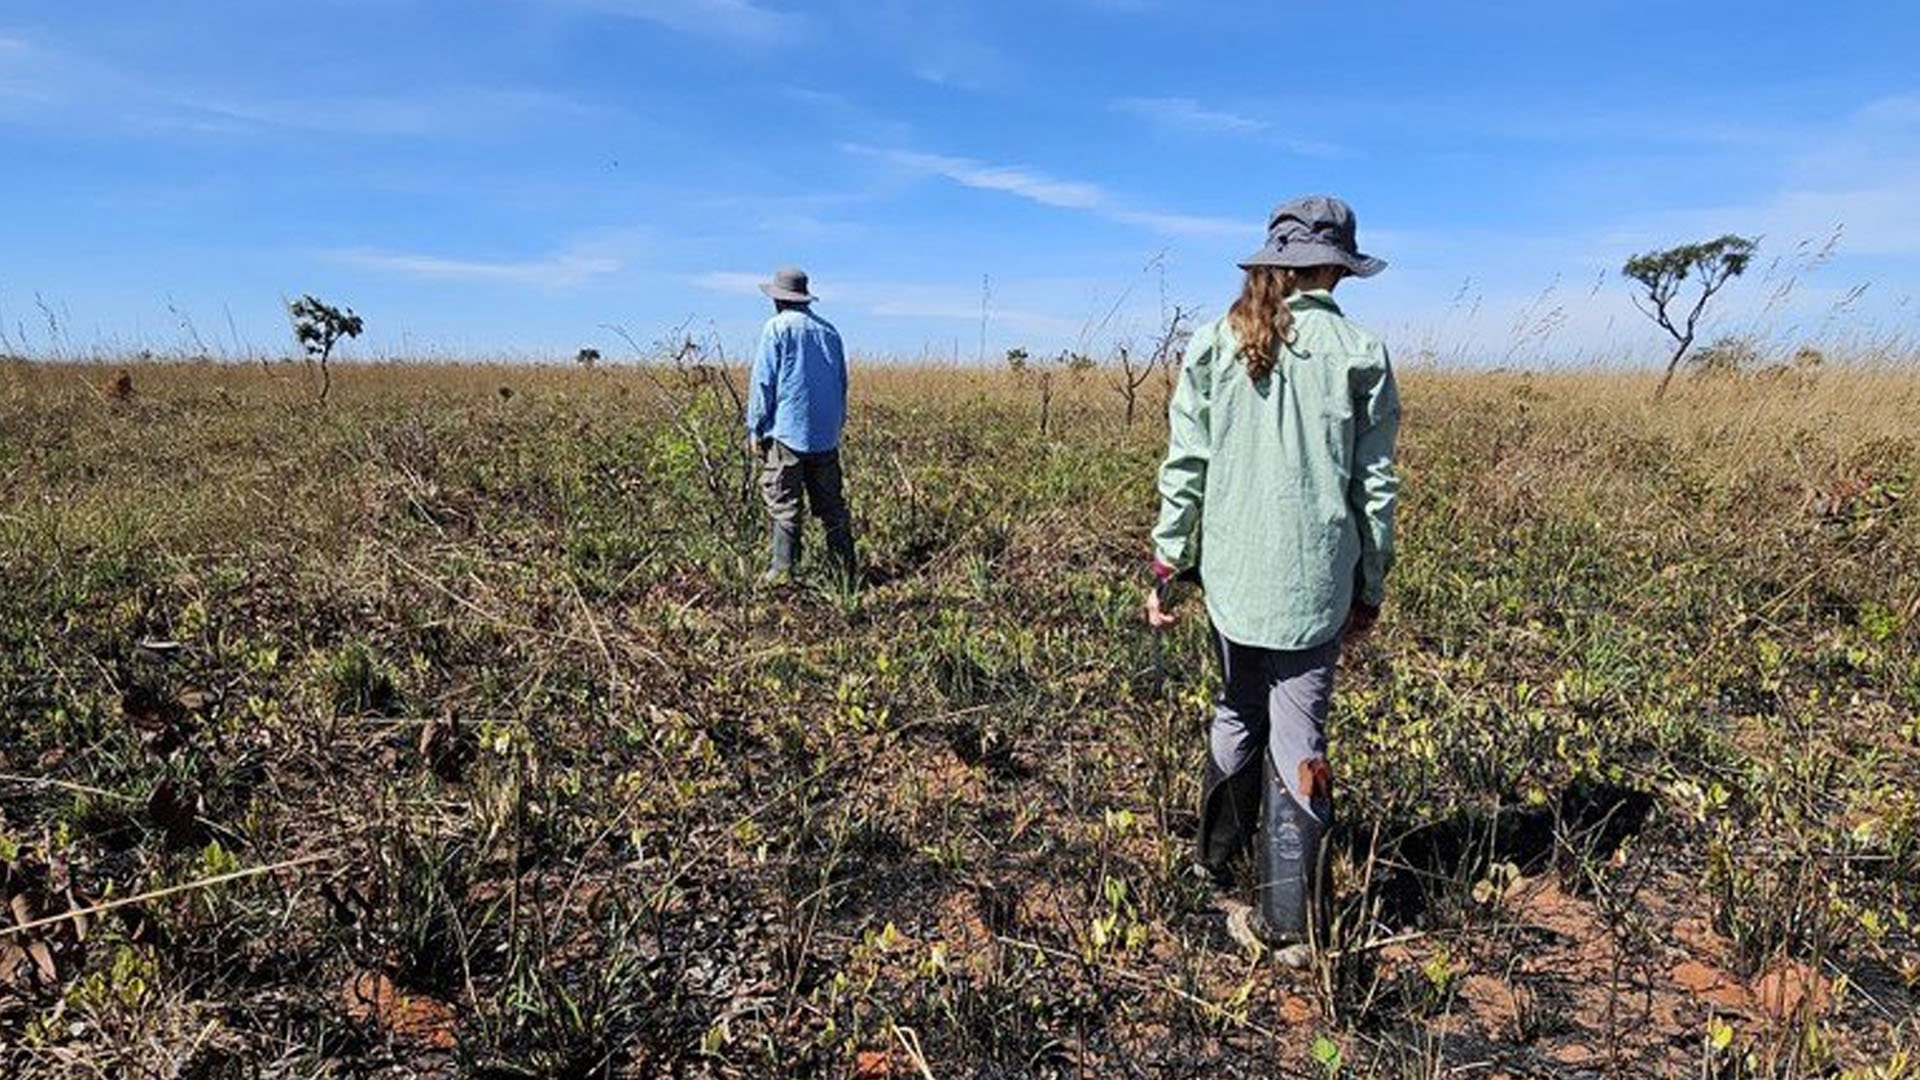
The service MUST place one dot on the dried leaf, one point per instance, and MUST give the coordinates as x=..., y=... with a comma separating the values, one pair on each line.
x=43, y=960
x=442, y=747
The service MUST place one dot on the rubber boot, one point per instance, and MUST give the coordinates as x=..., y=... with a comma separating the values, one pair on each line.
x=840, y=547
x=1229, y=811
x=785, y=549
x=1293, y=901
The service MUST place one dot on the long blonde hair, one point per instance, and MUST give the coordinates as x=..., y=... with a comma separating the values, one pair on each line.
x=1260, y=319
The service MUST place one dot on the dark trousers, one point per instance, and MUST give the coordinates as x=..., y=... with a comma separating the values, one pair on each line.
x=792, y=482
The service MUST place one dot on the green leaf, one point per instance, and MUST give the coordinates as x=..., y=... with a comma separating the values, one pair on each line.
x=1327, y=1053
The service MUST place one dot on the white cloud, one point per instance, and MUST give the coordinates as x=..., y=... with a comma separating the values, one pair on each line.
x=936, y=41
x=732, y=282
x=740, y=21
x=1840, y=234
x=1186, y=224
x=1048, y=191
x=1875, y=220
x=71, y=92
x=1186, y=114
x=1013, y=180
x=16, y=80
x=558, y=271
x=452, y=111
x=1899, y=110
x=1859, y=172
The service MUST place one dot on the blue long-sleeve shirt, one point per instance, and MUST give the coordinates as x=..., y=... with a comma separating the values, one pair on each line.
x=799, y=386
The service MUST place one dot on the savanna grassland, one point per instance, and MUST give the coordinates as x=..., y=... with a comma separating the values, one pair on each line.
x=442, y=730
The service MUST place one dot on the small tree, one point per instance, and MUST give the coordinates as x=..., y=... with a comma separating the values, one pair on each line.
x=1136, y=370
x=1661, y=273
x=318, y=327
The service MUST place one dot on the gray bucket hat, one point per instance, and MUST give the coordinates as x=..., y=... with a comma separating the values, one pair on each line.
x=789, y=283
x=1313, y=231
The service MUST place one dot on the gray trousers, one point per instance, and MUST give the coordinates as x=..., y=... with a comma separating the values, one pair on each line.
x=1267, y=762
x=792, y=482
x=1277, y=700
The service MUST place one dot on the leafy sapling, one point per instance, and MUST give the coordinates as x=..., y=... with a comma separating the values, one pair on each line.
x=1662, y=273
x=318, y=327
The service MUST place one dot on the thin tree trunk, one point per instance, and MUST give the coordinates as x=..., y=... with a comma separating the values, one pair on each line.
x=1673, y=365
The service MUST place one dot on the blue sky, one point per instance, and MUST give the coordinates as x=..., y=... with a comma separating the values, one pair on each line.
x=503, y=178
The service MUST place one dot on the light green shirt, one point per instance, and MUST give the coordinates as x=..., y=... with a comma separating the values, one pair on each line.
x=1281, y=491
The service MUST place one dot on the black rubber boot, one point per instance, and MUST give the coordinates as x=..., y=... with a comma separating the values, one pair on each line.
x=840, y=545
x=1229, y=811
x=785, y=549
x=1293, y=900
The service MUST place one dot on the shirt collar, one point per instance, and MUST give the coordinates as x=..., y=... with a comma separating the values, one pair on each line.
x=1313, y=298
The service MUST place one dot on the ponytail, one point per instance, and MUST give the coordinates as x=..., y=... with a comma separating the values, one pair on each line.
x=1260, y=319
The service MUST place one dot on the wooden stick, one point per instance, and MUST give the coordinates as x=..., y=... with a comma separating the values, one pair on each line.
x=1380, y=943
x=218, y=879
x=66, y=785
x=910, y=1041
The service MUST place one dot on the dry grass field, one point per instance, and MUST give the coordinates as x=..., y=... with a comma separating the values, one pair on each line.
x=441, y=731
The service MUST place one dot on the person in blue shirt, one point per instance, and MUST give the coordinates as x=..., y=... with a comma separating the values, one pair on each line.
x=796, y=406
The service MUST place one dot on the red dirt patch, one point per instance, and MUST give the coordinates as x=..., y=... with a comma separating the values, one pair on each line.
x=1495, y=1004
x=1789, y=988
x=1575, y=1054
x=949, y=779
x=1297, y=1011
x=1712, y=985
x=374, y=1000
x=877, y=1065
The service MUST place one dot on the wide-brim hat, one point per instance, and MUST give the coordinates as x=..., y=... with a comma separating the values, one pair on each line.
x=789, y=284
x=1315, y=231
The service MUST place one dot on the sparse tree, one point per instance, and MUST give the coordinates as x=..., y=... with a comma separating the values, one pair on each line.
x=1135, y=370
x=1711, y=264
x=318, y=327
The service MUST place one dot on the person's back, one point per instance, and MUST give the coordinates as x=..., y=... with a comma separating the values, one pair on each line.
x=810, y=384
x=796, y=408
x=1285, y=453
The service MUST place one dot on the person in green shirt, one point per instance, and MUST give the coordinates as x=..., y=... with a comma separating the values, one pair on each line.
x=1277, y=497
